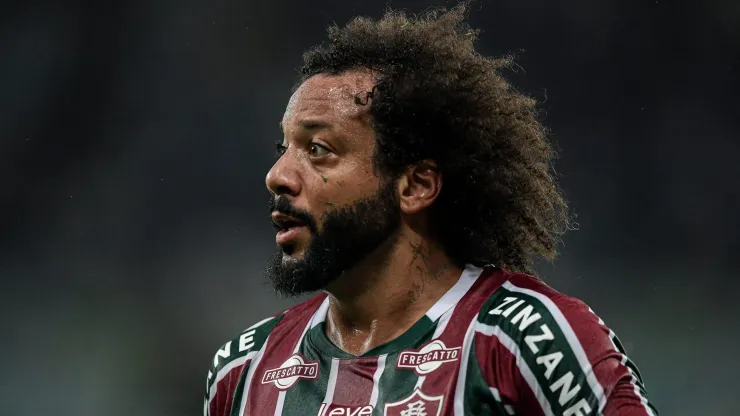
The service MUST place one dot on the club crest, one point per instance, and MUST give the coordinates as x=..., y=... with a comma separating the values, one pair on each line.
x=418, y=404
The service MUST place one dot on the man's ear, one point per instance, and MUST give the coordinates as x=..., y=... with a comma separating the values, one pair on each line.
x=419, y=186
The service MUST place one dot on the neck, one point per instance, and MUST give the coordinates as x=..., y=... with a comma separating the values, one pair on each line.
x=398, y=286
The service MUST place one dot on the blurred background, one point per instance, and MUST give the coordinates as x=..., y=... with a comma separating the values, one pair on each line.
x=135, y=138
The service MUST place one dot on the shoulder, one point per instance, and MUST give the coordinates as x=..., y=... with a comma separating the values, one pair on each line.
x=236, y=351
x=565, y=355
x=533, y=320
x=524, y=304
x=234, y=358
x=239, y=350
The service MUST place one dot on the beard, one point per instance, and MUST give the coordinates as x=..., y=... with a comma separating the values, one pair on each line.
x=349, y=235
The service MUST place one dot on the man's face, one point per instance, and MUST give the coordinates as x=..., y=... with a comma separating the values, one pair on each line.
x=330, y=209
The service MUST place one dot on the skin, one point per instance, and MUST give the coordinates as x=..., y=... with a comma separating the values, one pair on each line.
x=328, y=163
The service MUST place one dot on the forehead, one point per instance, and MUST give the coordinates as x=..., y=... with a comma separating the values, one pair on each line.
x=329, y=99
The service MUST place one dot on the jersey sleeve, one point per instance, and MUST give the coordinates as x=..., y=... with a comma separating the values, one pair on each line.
x=545, y=353
x=229, y=365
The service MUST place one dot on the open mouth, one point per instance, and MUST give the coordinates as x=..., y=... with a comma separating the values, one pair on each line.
x=287, y=228
x=284, y=224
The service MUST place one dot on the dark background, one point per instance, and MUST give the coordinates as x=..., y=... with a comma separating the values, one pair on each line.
x=135, y=137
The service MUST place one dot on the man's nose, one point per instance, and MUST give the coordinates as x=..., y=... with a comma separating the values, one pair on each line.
x=282, y=178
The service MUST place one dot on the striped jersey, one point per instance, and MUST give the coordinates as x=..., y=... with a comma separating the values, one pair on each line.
x=497, y=343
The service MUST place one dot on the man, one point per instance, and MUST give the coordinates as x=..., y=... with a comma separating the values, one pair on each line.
x=413, y=189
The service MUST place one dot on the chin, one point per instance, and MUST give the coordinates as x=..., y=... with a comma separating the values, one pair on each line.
x=292, y=252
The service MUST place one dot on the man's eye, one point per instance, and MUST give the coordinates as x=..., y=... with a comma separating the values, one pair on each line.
x=318, y=150
x=280, y=148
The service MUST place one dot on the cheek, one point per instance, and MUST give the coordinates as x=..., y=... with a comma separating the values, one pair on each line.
x=321, y=196
x=341, y=185
x=346, y=190
x=326, y=196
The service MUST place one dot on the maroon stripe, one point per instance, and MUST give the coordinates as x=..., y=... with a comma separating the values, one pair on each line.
x=500, y=371
x=527, y=400
x=499, y=368
x=355, y=381
x=279, y=347
x=220, y=403
x=442, y=380
x=605, y=360
x=623, y=401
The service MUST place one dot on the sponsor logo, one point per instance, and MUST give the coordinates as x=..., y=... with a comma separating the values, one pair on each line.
x=294, y=368
x=429, y=358
x=330, y=409
x=562, y=382
x=418, y=404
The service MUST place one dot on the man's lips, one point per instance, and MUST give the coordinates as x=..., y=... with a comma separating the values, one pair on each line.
x=288, y=227
x=283, y=221
x=285, y=236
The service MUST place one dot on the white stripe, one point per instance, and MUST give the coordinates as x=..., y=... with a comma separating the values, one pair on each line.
x=623, y=361
x=524, y=369
x=250, y=374
x=376, y=380
x=458, y=402
x=643, y=400
x=310, y=324
x=445, y=306
x=280, y=403
x=441, y=326
x=332, y=384
x=236, y=362
x=497, y=396
x=320, y=315
x=456, y=292
x=443, y=321
x=570, y=335
x=633, y=379
x=225, y=370
x=260, y=323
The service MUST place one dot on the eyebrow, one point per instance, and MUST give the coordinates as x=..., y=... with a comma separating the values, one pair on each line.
x=311, y=125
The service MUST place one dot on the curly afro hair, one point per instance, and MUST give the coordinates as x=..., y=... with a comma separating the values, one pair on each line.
x=437, y=99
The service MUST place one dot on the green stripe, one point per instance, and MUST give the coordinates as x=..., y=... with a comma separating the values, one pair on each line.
x=479, y=399
x=397, y=384
x=233, y=349
x=238, y=392
x=394, y=384
x=305, y=397
x=521, y=326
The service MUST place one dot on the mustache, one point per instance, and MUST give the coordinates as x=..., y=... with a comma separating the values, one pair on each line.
x=282, y=205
